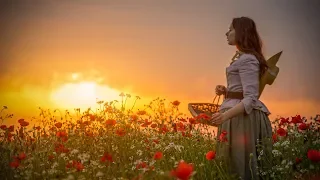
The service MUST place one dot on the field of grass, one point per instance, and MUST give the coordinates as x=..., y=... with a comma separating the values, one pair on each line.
x=158, y=142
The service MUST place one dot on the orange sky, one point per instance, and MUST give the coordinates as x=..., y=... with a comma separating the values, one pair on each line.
x=174, y=50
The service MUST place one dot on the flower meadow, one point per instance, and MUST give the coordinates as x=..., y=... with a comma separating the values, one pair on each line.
x=116, y=142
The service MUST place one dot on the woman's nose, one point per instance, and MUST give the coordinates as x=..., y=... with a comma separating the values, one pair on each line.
x=227, y=33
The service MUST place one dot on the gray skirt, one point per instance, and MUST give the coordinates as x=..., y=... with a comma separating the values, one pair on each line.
x=244, y=133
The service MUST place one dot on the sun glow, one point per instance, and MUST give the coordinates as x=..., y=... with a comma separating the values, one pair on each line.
x=82, y=94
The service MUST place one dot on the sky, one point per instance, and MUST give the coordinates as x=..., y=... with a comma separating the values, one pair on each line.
x=172, y=49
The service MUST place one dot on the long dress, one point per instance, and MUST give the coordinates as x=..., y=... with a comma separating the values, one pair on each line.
x=243, y=132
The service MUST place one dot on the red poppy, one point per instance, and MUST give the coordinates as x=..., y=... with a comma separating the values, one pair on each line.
x=141, y=165
x=186, y=134
x=176, y=103
x=181, y=127
x=68, y=165
x=50, y=157
x=11, y=128
x=58, y=124
x=154, y=125
x=183, y=171
x=59, y=148
x=110, y=122
x=92, y=117
x=223, y=137
x=163, y=129
x=296, y=119
x=298, y=160
x=120, y=132
x=284, y=121
x=281, y=132
x=192, y=121
x=303, y=126
x=134, y=118
x=210, y=155
x=203, y=116
x=14, y=164
x=22, y=156
x=158, y=155
x=107, y=157
x=61, y=134
x=78, y=165
x=142, y=112
x=3, y=127
x=314, y=155
x=20, y=120
x=274, y=138
x=24, y=123
x=146, y=123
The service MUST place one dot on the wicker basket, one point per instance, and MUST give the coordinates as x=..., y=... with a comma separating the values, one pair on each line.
x=207, y=108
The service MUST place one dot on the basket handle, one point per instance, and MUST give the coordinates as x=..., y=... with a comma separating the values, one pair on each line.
x=217, y=103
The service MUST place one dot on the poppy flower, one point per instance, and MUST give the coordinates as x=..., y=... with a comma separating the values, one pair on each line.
x=14, y=164
x=142, y=112
x=176, y=103
x=314, y=155
x=274, y=138
x=107, y=157
x=110, y=122
x=50, y=157
x=223, y=137
x=120, y=132
x=182, y=119
x=183, y=171
x=281, y=132
x=3, y=127
x=92, y=117
x=24, y=123
x=303, y=126
x=61, y=134
x=164, y=129
x=22, y=156
x=141, y=165
x=298, y=160
x=296, y=119
x=158, y=155
x=11, y=128
x=58, y=124
x=210, y=155
x=146, y=123
x=68, y=165
x=203, y=116
x=154, y=125
x=79, y=166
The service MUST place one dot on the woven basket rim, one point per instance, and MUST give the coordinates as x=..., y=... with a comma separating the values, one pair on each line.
x=193, y=112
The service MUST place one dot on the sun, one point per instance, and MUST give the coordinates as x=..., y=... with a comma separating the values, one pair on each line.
x=82, y=94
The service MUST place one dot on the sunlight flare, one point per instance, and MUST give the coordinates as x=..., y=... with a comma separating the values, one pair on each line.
x=83, y=94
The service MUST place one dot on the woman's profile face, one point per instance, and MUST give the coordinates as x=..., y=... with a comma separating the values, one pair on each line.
x=231, y=36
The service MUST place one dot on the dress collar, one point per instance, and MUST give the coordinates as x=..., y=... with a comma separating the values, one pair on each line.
x=236, y=56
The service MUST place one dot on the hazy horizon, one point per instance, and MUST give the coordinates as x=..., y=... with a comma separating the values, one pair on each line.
x=64, y=54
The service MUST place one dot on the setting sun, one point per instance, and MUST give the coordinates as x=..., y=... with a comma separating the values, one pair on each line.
x=83, y=94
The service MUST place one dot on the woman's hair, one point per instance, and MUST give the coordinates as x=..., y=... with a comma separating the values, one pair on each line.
x=248, y=40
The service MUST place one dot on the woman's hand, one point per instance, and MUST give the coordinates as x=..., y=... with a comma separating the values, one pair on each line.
x=218, y=118
x=220, y=89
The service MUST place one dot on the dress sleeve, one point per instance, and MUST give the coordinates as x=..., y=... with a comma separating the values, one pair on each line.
x=249, y=75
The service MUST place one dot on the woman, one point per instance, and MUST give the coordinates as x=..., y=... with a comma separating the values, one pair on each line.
x=242, y=117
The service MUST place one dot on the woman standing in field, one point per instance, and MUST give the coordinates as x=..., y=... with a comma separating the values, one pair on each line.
x=242, y=117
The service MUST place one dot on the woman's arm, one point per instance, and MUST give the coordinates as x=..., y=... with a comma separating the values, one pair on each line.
x=249, y=75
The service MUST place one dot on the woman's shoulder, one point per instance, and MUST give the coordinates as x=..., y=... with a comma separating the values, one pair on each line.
x=246, y=57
